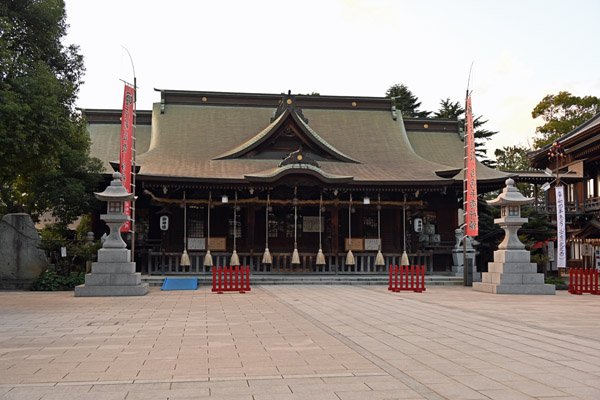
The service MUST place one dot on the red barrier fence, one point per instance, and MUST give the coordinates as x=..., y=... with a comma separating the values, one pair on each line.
x=407, y=278
x=231, y=279
x=583, y=280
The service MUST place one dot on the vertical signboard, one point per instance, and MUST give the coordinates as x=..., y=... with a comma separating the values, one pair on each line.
x=560, y=228
x=471, y=215
x=126, y=144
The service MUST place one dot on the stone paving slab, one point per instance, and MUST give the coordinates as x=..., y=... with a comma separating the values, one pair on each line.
x=300, y=342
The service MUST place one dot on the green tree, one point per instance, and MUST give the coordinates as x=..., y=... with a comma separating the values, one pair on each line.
x=453, y=110
x=44, y=145
x=512, y=158
x=406, y=102
x=562, y=113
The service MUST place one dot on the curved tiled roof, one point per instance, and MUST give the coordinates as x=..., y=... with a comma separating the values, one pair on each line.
x=448, y=149
x=106, y=140
x=187, y=139
x=194, y=139
x=273, y=174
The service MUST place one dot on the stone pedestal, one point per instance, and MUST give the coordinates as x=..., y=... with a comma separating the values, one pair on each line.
x=513, y=273
x=21, y=261
x=458, y=264
x=112, y=275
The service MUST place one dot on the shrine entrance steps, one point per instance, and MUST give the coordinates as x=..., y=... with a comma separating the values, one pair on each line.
x=314, y=279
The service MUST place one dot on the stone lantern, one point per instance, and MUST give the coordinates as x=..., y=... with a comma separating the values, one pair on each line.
x=510, y=202
x=115, y=195
x=512, y=271
x=113, y=274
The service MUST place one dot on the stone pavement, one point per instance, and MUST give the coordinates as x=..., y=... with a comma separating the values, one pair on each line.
x=300, y=342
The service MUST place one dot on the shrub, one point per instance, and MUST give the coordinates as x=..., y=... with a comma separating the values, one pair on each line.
x=50, y=281
x=553, y=280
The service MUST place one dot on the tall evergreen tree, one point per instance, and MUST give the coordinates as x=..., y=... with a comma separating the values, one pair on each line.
x=453, y=110
x=406, y=102
x=44, y=145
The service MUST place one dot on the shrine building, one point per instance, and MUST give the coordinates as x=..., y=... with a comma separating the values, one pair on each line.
x=243, y=172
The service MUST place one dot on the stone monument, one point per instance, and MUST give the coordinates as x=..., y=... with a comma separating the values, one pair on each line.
x=21, y=260
x=512, y=271
x=113, y=274
x=458, y=255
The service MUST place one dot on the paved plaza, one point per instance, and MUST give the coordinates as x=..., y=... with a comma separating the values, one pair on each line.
x=300, y=342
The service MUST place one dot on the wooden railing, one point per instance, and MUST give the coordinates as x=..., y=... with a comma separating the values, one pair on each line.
x=589, y=205
x=592, y=204
x=168, y=263
x=571, y=207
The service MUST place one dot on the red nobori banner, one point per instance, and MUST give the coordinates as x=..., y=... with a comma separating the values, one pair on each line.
x=471, y=216
x=126, y=152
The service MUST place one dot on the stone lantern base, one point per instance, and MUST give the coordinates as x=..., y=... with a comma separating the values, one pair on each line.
x=513, y=273
x=112, y=275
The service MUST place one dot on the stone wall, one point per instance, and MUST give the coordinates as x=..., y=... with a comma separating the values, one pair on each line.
x=21, y=261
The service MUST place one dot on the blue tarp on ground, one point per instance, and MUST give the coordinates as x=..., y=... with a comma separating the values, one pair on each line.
x=180, y=284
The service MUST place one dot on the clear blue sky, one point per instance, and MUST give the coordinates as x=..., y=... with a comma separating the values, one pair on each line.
x=522, y=50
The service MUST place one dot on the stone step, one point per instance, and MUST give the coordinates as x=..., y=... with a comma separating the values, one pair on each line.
x=206, y=280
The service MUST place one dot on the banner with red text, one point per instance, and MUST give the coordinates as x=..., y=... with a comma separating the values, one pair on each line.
x=471, y=215
x=126, y=151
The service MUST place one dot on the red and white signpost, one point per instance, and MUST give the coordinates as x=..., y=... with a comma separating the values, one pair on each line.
x=469, y=190
x=126, y=148
x=470, y=210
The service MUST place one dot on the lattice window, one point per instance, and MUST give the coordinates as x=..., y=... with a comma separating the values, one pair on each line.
x=237, y=229
x=196, y=227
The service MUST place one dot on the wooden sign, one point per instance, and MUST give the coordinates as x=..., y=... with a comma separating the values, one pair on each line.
x=371, y=244
x=196, y=243
x=218, y=244
x=311, y=224
x=587, y=250
x=358, y=244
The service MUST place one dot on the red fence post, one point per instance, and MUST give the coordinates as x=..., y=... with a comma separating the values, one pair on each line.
x=214, y=289
x=571, y=280
x=248, y=278
x=222, y=279
x=234, y=285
